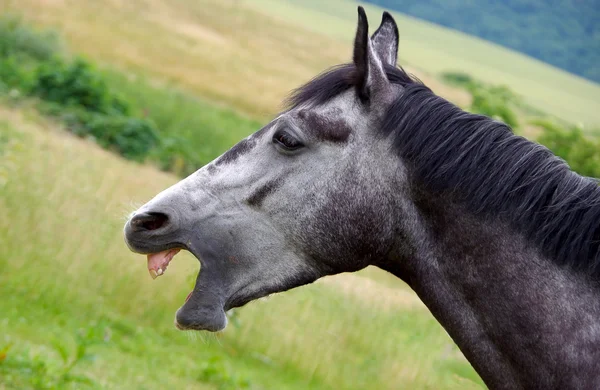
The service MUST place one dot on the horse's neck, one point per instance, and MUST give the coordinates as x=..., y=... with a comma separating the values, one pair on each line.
x=522, y=321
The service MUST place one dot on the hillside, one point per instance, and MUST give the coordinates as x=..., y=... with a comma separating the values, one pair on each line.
x=80, y=311
x=248, y=55
x=434, y=49
x=563, y=33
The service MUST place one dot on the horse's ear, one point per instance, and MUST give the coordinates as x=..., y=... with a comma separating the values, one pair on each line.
x=371, y=76
x=385, y=40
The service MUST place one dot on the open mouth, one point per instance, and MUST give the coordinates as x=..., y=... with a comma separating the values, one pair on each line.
x=158, y=262
x=160, y=239
x=206, y=305
x=199, y=311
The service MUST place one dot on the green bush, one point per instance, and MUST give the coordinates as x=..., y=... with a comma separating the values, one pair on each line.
x=176, y=155
x=494, y=102
x=75, y=119
x=77, y=84
x=77, y=94
x=13, y=75
x=17, y=38
x=131, y=137
x=581, y=153
x=460, y=79
x=178, y=131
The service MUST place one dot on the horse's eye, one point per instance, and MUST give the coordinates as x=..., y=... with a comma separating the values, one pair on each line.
x=286, y=141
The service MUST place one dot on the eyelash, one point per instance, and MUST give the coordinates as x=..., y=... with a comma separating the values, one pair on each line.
x=286, y=141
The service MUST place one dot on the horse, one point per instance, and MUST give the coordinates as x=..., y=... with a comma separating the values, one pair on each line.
x=497, y=236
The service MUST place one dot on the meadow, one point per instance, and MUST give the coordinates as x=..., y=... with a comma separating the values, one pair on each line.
x=80, y=311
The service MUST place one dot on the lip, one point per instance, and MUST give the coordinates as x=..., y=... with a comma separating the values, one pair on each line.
x=200, y=328
x=210, y=308
x=143, y=247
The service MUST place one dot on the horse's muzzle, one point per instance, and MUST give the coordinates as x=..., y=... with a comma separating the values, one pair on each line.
x=153, y=231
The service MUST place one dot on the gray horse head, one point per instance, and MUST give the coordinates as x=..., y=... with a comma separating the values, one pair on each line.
x=308, y=195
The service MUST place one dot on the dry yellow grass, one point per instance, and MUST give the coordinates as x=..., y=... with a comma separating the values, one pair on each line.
x=371, y=292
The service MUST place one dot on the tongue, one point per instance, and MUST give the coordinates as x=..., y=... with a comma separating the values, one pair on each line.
x=158, y=262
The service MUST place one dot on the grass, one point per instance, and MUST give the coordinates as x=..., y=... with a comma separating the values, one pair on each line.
x=193, y=130
x=80, y=311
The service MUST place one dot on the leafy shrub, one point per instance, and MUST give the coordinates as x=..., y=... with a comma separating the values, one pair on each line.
x=131, y=137
x=17, y=38
x=494, y=102
x=13, y=75
x=581, y=153
x=176, y=155
x=108, y=106
x=460, y=79
x=77, y=84
x=79, y=96
x=74, y=92
x=75, y=119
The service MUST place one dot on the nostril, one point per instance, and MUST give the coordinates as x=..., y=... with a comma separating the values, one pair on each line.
x=149, y=221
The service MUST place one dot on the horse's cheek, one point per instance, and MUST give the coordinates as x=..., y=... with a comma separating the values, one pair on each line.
x=349, y=233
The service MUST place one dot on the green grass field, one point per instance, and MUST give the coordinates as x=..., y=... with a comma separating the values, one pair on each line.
x=68, y=284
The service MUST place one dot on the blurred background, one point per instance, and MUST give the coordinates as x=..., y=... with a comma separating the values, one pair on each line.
x=103, y=103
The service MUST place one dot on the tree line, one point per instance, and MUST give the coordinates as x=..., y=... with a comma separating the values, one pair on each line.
x=564, y=33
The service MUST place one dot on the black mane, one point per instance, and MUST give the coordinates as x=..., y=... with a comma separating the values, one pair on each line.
x=483, y=165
